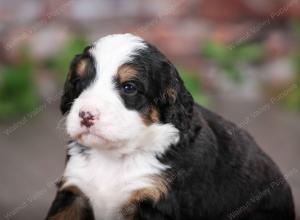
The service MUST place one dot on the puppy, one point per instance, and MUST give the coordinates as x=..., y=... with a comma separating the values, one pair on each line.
x=142, y=149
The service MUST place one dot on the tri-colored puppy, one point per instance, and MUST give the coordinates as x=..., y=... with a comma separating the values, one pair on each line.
x=142, y=149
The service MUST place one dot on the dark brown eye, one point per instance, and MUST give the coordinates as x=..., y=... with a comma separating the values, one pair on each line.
x=129, y=88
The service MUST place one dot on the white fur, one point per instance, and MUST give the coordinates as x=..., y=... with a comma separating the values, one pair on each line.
x=123, y=148
x=108, y=181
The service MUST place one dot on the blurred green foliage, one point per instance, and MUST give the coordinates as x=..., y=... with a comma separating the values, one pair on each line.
x=293, y=99
x=61, y=62
x=194, y=85
x=18, y=93
x=228, y=58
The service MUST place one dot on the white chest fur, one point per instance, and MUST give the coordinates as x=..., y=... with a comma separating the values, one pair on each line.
x=109, y=181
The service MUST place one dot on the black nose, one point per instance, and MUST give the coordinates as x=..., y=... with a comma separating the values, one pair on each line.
x=87, y=118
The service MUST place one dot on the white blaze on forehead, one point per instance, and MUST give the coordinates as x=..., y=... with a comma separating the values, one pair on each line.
x=112, y=51
x=116, y=123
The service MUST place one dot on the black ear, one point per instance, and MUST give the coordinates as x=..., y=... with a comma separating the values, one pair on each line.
x=82, y=72
x=175, y=100
x=67, y=98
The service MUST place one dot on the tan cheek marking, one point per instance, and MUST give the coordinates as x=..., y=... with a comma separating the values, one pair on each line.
x=152, y=116
x=126, y=72
x=154, y=193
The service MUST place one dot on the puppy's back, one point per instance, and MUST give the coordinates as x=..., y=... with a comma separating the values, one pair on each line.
x=244, y=169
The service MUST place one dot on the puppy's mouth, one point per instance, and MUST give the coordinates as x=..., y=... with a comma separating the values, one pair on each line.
x=92, y=139
x=91, y=135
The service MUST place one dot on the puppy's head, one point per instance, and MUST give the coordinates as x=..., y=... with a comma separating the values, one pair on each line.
x=122, y=93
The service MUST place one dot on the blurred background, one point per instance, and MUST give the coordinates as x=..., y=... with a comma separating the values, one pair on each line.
x=239, y=58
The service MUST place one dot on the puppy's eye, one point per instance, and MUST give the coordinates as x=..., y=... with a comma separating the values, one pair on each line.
x=129, y=88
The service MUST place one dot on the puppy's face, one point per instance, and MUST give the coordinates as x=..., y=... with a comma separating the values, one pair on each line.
x=122, y=93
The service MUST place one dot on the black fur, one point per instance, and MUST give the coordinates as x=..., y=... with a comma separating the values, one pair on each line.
x=221, y=176
x=218, y=172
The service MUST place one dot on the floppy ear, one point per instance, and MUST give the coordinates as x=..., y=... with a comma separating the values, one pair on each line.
x=81, y=74
x=177, y=103
x=69, y=93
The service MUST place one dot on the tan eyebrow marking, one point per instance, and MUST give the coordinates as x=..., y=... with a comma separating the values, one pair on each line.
x=81, y=67
x=126, y=72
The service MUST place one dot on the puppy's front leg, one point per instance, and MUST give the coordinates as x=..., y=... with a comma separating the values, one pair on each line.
x=146, y=210
x=149, y=204
x=70, y=204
